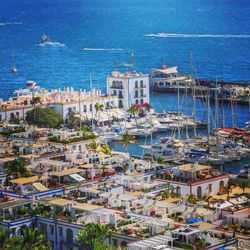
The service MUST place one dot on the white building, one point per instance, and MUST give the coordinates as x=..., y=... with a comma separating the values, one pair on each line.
x=130, y=87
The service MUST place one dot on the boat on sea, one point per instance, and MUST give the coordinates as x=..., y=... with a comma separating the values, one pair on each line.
x=45, y=39
x=168, y=148
x=167, y=79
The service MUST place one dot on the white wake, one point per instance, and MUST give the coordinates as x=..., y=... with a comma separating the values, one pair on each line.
x=10, y=23
x=173, y=35
x=101, y=49
x=55, y=44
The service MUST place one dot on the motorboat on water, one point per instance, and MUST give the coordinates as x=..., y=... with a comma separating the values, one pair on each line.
x=168, y=148
x=14, y=70
x=45, y=39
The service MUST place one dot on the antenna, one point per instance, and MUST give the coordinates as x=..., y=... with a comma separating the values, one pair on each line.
x=133, y=58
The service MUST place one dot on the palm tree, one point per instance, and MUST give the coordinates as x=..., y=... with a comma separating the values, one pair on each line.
x=98, y=108
x=106, y=150
x=127, y=138
x=235, y=228
x=243, y=184
x=33, y=239
x=103, y=167
x=4, y=236
x=228, y=189
x=35, y=100
x=208, y=200
x=160, y=160
x=93, y=146
x=134, y=110
x=16, y=168
x=191, y=199
x=93, y=234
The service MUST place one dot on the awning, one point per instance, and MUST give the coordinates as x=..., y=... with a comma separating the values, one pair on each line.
x=39, y=186
x=77, y=177
x=172, y=70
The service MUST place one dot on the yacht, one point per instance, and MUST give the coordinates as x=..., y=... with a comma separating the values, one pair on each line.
x=167, y=147
x=167, y=79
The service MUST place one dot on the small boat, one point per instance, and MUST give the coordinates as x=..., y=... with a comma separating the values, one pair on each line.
x=45, y=39
x=14, y=70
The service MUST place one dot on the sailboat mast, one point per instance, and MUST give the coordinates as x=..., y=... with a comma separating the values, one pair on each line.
x=178, y=88
x=80, y=110
x=216, y=115
x=193, y=84
x=222, y=107
x=186, y=95
x=208, y=119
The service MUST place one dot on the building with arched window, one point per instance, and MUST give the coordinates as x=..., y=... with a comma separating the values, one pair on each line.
x=128, y=87
x=196, y=179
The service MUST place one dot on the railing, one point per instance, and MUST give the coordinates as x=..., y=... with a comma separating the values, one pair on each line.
x=141, y=87
x=18, y=222
x=116, y=87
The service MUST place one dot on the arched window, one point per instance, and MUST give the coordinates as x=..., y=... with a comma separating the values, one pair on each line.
x=114, y=84
x=178, y=190
x=141, y=83
x=120, y=85
x=120, y=104
x=221, y=186
x=136, y=84
x=17, y=115
x=69, y=235
x=136, y=101
x=12, y=116
x=199, y=192
x=141, y=101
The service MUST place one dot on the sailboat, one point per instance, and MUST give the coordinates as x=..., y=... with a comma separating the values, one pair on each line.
x=14, y=69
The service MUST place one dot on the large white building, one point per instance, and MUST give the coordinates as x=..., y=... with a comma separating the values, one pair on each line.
x=130, y=88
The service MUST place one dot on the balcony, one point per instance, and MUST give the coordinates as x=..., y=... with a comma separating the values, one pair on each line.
x=116, y=87
x=141, y=87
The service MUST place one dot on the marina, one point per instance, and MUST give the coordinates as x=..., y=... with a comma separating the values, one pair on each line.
x=124, y=125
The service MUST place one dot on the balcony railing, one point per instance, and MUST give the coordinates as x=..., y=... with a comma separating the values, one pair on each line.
x=116, y=87
x=141, y=87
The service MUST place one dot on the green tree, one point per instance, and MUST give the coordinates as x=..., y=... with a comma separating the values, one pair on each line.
x=4, y=236
x=160, y=160
x=16, y=168
x=127, y=138
x=228, y=189
x=192, y=199
x=33, y=239
x=44, y=117
x=35, y=100
x=243, y=184
x=93, y=146
x=93, y=234
x=14, y=243
x=235, y=228
x=106, y=150
x=134, y=110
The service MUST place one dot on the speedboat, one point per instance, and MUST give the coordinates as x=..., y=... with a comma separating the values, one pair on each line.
x=14, y=70
x=45, y=39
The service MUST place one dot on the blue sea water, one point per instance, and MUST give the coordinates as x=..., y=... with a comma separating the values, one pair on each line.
x=216, y=31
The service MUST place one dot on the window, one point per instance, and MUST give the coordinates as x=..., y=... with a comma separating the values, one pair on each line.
x=115, y=241
x=141, y=101
x=120, y=104
x=84, y=108
x=69, y=235
x=141, y=83
x=90, y=107
x=136, y=101
x=136, y=93
x=51, y=230
x=141, y=92
x=210, y=188
x=114, y=92
x=136, y=84
x=120, y=94
x=199, y=192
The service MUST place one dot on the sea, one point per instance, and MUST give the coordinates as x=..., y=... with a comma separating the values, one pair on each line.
x=94, y=37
